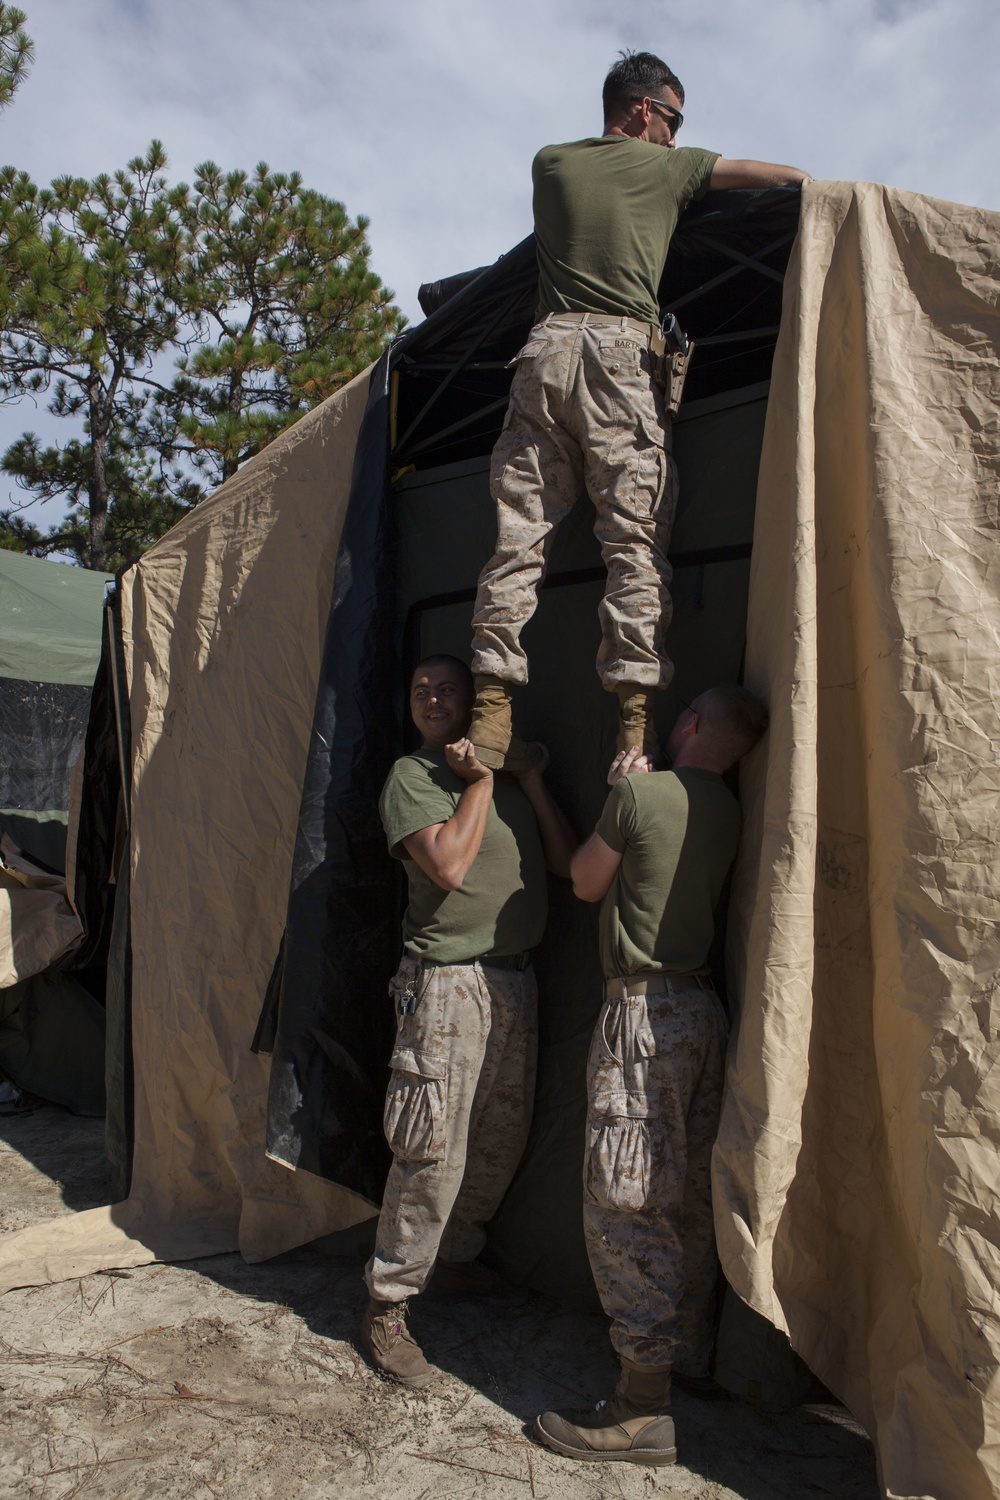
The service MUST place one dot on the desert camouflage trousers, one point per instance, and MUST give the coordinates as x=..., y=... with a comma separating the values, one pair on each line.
x=457, y=1113
x=585, y=412
x=654, y=1086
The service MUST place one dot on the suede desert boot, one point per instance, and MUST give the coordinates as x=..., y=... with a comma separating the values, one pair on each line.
x=635, y=720
x=392, y=1347
x=634, y=1427
x=491, y=728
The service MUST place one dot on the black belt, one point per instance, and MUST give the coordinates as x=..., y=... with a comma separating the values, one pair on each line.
x=518, y=961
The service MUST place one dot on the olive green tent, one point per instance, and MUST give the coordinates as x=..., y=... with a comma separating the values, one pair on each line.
x=51, y=1026
x=51, y=617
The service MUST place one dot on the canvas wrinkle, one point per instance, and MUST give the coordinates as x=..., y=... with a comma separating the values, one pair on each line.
x=203, y=742
x=890, y=333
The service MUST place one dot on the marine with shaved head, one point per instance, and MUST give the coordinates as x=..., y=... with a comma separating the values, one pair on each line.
x=475, y=850
x=657, y=862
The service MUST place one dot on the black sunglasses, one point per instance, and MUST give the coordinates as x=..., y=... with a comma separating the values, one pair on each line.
x=676, y=118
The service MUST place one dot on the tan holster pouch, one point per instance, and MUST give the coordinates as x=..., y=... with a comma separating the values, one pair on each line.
x=670, y=370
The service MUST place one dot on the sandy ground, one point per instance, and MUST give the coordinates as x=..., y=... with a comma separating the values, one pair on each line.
x=216, y=1378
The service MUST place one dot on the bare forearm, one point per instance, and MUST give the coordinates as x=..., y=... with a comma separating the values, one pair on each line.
x=559, y=840
x=458, y=841
x=744, y=173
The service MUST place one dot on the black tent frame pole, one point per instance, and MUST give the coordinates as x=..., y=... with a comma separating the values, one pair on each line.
x=738, y=338
x=476, y=416
x=745, y=262
x=436, y=395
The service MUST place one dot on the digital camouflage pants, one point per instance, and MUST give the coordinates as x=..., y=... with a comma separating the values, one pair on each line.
x=585, y=412
x=457, y=1114
x=654, y=1086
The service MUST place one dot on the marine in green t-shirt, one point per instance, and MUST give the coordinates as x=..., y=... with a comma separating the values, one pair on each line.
x=657, y=860
x=458, y=1108
x=587, y=401
x=676, y=832
x=502, y=903
x=605, y=212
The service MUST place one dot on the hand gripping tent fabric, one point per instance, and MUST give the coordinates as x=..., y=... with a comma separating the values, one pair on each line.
x=265, y=644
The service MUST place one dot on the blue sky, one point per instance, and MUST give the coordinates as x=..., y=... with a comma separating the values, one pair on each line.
x=424, y=114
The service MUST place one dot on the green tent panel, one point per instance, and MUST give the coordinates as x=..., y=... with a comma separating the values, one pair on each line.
x=50, y=644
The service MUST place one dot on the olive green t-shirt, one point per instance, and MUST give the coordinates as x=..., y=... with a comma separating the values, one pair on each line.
x=605, y=211
x=677, y=833
x=502, y=903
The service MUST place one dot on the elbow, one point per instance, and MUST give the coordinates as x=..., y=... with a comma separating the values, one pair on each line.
x=450, y=878
x=582, y=887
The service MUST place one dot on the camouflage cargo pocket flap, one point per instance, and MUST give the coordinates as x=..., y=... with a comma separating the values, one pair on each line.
x=653, y=430
x=531, y=350
x=419, y=1059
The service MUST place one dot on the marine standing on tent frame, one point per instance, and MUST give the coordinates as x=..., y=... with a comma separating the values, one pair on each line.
x=658, y=859
x=463, y=1068
x=587, y=404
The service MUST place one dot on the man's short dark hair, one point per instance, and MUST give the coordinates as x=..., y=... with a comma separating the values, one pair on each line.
x=442, y=659
x=733, y=719
x=639, y=75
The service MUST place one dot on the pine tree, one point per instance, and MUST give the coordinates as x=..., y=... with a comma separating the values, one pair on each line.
x=98, y=297
x=287, y=308
x=17, y=51
x=260, y=289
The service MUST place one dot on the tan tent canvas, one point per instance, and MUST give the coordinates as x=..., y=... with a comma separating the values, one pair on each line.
x=856, y=1170
x=853, y=1173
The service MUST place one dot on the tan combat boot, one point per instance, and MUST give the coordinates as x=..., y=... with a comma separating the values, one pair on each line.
x=635, y=720
x=634, y=1427
x=491, y=728
x=392, y=1347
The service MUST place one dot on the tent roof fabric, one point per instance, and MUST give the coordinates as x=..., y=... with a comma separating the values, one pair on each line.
x=723, y=275
x=52, y=619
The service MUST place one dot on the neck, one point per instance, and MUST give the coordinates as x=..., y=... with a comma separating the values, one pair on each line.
x=695, y=760
x=625, y=132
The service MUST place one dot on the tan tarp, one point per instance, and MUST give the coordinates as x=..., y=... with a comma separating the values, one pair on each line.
x=223, y=623
x=37, y=923
x=857, y=1177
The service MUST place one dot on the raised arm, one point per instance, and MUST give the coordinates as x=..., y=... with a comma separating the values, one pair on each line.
x=445, y=851
x=559, y=840
x=754, y=174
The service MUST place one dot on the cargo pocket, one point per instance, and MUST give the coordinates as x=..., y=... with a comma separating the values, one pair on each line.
x=415, y=1119
x=619, y=1156
x=530, y=350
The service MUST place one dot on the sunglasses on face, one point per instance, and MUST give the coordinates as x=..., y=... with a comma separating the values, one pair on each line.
x=674, y=116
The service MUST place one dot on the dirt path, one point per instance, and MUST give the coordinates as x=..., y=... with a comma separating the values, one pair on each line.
x=218, y=1379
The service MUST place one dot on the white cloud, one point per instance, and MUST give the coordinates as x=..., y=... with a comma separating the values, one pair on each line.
x=424, y=114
